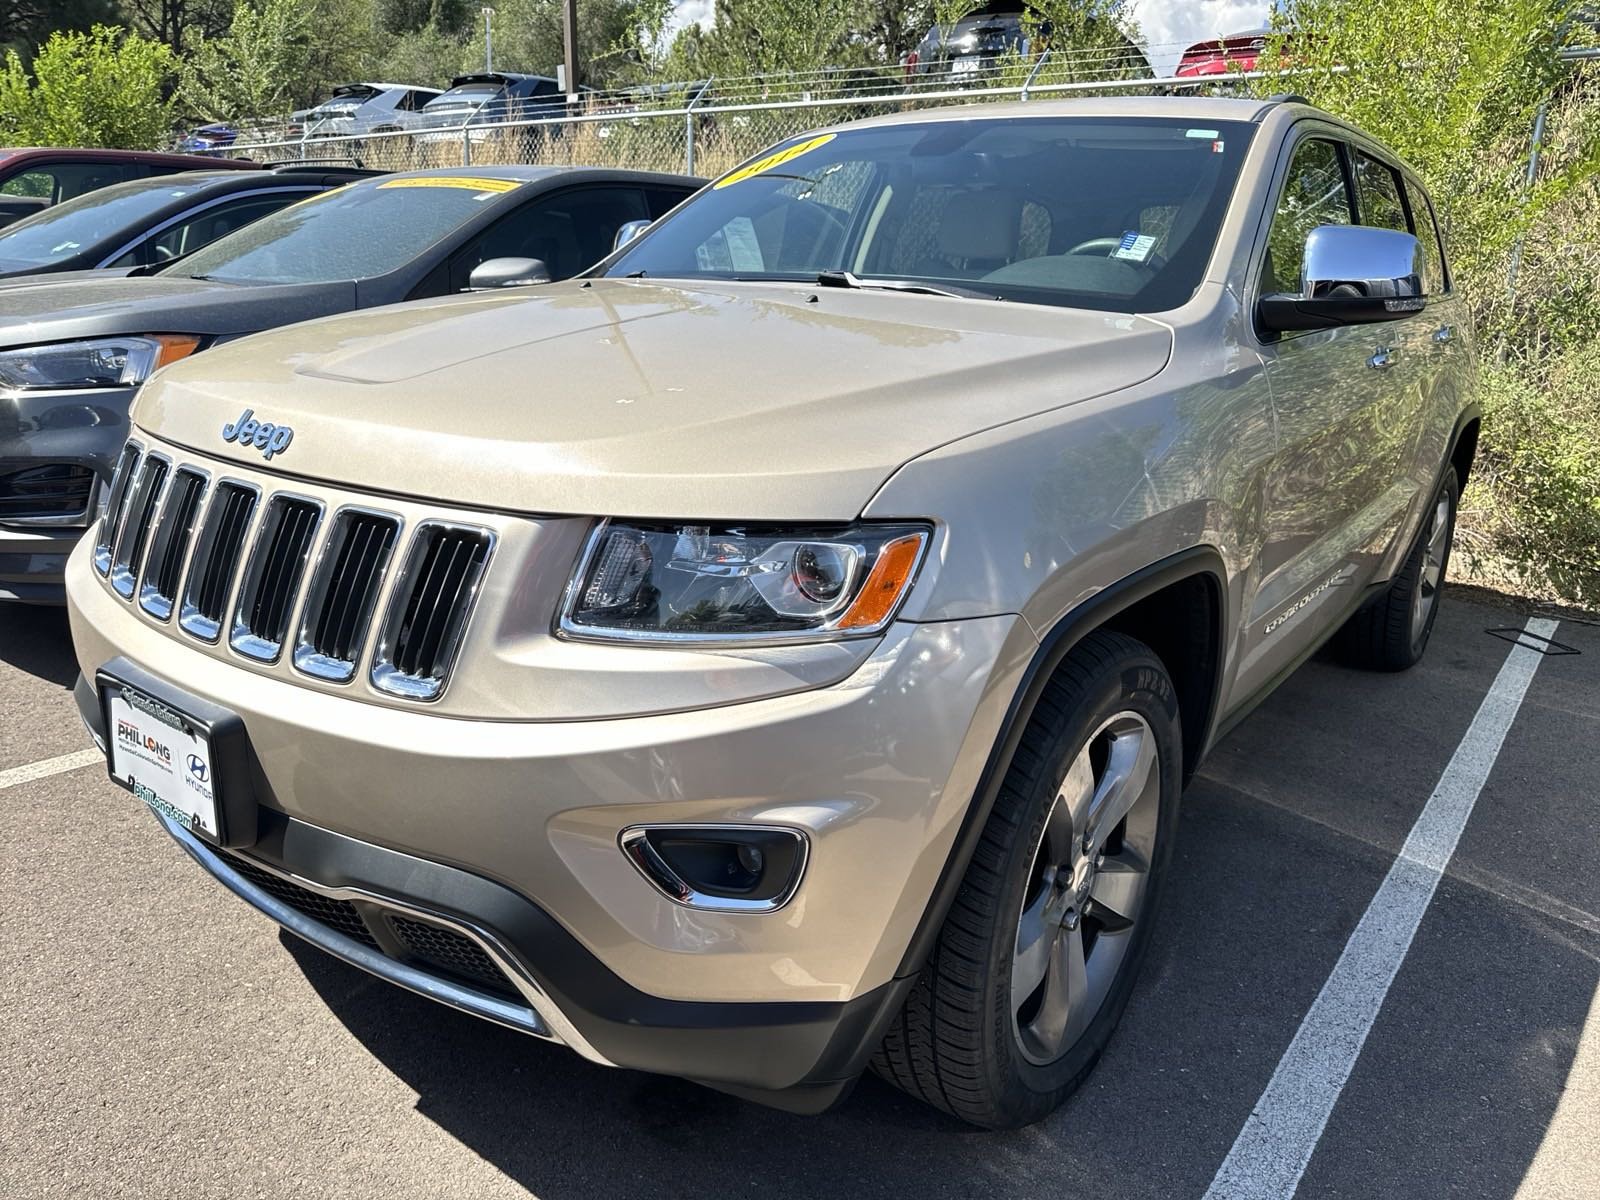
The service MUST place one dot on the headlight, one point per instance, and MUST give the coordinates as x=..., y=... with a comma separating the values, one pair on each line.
x=696, y=583
x=104, y=362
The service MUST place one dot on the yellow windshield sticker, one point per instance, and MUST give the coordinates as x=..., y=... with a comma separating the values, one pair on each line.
x=470, y=183
x=776, y=159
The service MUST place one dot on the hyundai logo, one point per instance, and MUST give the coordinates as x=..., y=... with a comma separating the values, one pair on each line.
x=266, y=437
x=198, y=768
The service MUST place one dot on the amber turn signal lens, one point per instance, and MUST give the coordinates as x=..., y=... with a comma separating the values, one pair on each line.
x=173, y=347
x=886, y=584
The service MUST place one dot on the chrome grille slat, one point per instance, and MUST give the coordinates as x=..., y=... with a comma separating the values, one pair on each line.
x=169, y=548
x=128, y=558
x=217, y=553
x=116, y=505
x=428, y=611
x=344, y=593
x=251, y=569
x=272, y=578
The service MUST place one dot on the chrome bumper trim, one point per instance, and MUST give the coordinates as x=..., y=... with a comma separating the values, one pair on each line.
x=530, y=1019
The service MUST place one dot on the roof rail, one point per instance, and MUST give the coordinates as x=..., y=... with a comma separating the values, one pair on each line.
x=1288, y=98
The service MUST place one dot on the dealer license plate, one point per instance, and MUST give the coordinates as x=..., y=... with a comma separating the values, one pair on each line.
x=163, y=757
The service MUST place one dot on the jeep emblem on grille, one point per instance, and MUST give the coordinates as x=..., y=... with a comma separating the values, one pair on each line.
x=266, y=437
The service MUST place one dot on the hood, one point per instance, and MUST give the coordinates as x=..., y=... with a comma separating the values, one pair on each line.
x=92, y=305
x=626, y=398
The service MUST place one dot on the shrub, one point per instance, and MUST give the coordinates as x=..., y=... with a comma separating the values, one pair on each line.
x=101, y=88
x=1532, y=509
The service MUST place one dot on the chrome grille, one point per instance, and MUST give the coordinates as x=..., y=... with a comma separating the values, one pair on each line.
x=49, y=492
x=116, y=506
x=143, y=502
x=216, y=557
x=272, y=578
x=222, y=554
x=163, y=569
x=428, y=611
x=344, y=593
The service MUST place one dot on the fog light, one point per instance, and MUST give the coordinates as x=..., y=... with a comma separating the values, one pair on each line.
x=724, y=868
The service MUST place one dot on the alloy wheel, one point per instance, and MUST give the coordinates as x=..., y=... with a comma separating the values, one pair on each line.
x=1435, y=546
x=1086, y=887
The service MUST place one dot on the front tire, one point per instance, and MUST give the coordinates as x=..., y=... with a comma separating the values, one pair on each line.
x=1391, y=632
x=1040, y=949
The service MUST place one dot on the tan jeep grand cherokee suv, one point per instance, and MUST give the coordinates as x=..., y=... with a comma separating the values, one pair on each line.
x=782, y=650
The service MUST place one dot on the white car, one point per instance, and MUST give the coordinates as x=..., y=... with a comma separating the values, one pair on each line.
x=360, y=108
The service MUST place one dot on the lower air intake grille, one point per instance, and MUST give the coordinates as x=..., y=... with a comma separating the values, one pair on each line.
x=272, y=580
x=450, y=951
x=429, y=610
x=56, y=490
x=216, y=557
x=336, y=914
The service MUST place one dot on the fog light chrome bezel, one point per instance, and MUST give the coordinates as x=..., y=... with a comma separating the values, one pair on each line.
x=660, y=874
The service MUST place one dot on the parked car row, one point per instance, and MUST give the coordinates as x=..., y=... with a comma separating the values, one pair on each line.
x=778, y=650
x=177, y=278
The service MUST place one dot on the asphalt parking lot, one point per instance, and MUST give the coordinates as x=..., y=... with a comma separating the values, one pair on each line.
x=160, y=1039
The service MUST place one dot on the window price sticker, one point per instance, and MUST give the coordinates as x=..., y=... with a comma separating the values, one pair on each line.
x=1135, y=246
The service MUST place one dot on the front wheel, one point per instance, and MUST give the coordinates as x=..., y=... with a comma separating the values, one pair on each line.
x=1039, y=952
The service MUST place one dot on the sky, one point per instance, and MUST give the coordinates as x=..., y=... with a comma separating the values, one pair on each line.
x=1167, y=25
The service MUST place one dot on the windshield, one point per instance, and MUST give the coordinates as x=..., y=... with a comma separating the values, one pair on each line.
x=85, y=222
x=330, y=236
x=1118, y=214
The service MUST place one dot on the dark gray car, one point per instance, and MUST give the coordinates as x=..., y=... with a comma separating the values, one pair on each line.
x=73, y=353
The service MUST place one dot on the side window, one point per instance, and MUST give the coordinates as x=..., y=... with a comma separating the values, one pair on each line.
x=35, y=184
x=663, y=200
x=1378, y=194
x=567, y=232
x=1314, y=193
x=202, y=228
x=64, y=180
x=1435, y=280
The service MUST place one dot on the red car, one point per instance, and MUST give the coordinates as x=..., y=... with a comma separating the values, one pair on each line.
x=1236, y=52
x=37, y=178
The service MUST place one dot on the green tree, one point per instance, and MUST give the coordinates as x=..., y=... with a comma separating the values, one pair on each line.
x=25, y=24
x=1451, y=85
x=169, y=21
x=759, y=37
x=276, y=56
x=100, y=88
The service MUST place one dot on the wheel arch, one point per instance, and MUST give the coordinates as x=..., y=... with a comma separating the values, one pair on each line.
x=1138, y=605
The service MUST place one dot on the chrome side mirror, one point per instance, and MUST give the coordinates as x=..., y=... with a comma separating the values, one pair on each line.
x=1353, y=275
x=507, y=272
x=626, y=232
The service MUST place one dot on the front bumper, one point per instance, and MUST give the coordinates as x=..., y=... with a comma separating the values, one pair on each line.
x=477, y=946
x=33, y=563
x=83, y=427
x=507, y=832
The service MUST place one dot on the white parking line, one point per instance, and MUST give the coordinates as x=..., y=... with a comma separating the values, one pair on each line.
x=1272, y=1150
x=50, y=766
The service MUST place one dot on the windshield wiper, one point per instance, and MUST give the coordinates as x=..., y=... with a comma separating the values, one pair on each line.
x=845, y=279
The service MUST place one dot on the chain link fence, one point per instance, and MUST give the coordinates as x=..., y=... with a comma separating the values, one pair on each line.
x=708, y=127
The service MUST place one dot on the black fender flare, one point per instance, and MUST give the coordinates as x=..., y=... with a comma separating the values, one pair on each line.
x=1056, y=644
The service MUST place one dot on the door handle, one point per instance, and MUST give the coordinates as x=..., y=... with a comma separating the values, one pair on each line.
x=1383, y=359
x=1443, y=334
